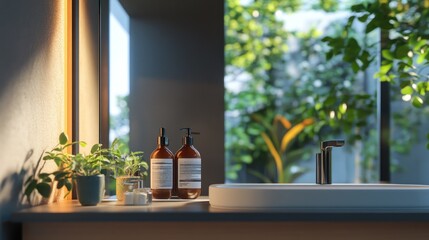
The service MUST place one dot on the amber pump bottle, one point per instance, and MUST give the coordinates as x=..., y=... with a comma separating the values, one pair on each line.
x=187, y=169
x=161, y=168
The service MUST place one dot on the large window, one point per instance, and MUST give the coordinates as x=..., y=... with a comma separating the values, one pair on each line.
x=300, y=72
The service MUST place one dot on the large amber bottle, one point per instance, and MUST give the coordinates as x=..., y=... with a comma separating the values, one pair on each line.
x=187, y=169
x=161, y=168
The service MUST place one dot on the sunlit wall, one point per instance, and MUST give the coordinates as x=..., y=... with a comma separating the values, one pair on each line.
x=32, y=91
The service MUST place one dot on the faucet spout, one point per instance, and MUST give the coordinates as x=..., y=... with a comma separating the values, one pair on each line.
x=324, y=159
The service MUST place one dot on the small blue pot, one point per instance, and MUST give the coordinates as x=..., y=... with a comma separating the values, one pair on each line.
x=90, y=189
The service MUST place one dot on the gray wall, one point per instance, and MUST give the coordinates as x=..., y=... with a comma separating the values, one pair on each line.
x=31, y=92
x=176, y=77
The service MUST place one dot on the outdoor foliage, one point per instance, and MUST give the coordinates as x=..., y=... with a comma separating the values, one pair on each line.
x=254, y=41
x=120, y=122
x=260, y=83
x=404, y=44
x=278, y=144
x=403, y=60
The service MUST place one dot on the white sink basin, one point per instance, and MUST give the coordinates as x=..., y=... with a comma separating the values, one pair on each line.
x=346, y=196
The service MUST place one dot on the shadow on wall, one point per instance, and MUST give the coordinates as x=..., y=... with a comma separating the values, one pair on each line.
x=27, y=31
x=12, y=199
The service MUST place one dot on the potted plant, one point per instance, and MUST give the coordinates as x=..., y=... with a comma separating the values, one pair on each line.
x=86, y=169
x=89, y=179
x=44, y=182
x=128, y=167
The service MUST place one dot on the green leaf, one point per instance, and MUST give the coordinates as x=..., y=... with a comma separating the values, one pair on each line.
x=373, y=24
x=402, y=51
x=318, y=106
x=419, y=44
x=385, y=68
x=358, y=8
x=60, y=175
x=421, y=88
x=385, y=24
x=417, y=102
x=421, y=58
x=363, y=18
x=327, y=39
x=329, y=55
x=330, y=100
x=407, y=90
x=352, y=50
x=61, y=183
x=246, y=159
x=253, y=131
x=350, y=21
x=58, y=161
x=231, y=175
x=343, y=108
x=47, y=180
x=68, y=185
x=387, y=54
x=30, y=187
x=95, y=148
x=44, y=189
x=404, y=83
x=44, y=175
x=366, y=59
x=58, y=149
x=355, y=67
x=82, y=143
x=63, y=138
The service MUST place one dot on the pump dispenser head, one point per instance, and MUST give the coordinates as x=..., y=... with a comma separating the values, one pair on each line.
x=188, y=140
x=162, y=139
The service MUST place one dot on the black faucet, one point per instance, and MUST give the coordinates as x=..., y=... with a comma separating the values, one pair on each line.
x=323, y=161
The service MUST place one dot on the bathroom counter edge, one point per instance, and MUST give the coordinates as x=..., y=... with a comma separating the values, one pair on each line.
x=200, y=210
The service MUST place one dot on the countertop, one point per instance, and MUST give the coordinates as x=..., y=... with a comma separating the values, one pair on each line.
x=200, y=210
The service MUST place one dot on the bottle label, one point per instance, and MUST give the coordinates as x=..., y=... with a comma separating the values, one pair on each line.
x=161, y=173
x=189, y=173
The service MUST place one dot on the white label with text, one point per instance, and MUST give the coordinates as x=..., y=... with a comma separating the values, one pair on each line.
x=189, y=173
x=161, y=173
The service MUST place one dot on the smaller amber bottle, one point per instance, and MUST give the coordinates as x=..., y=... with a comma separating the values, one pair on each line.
x=187, y=169
x=161, y=168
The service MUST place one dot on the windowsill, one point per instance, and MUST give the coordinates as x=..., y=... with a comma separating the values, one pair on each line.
x=200, y=210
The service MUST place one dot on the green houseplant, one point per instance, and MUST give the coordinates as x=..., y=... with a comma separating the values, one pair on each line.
x=43, y=182
x=89, y=179
x=128, y=167
x=69, y=166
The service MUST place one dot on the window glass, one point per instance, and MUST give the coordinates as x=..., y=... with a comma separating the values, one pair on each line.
x=318, y=65
x=119, y=80
x=283, y=95
x=119, y=72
